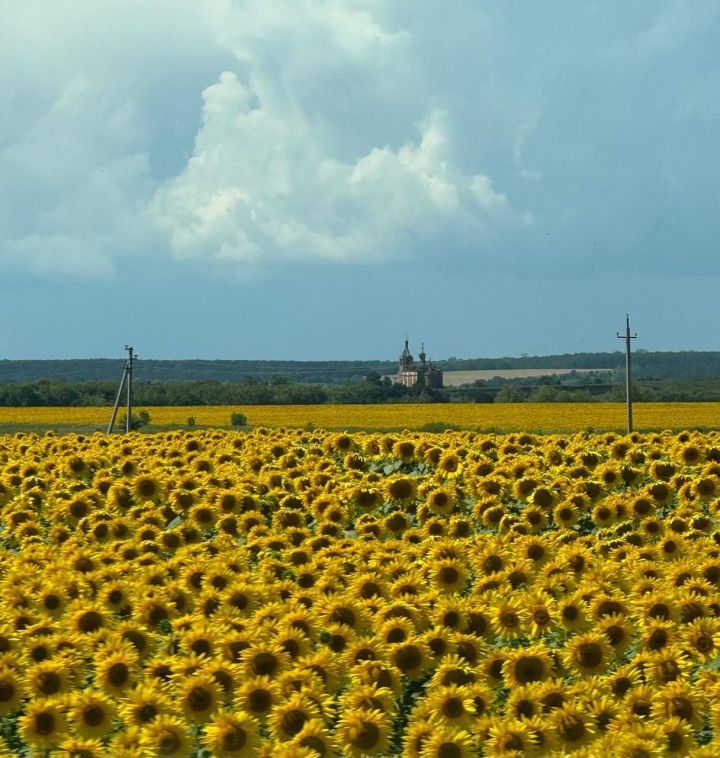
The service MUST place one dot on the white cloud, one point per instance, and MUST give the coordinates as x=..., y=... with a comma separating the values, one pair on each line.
x=77, y=130
x=260, y=186
x=268, y=179
x=53, y=256
x=247, y=134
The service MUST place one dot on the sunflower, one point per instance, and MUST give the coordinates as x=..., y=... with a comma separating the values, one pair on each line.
x=161, y=669
x=527, y=665
x=400, y=489
x=303, y=621
x=448, y=742
x=364, y=733
x=225, y=675
x=396, y=522
x=701, y=638
x=440, y=501
x=449, y=463
x=449, y=575
x=552, y=694
x=522, y=702
x=144, y=704
x=509, y=737
x=91, y=713
x=609, y=474
x=264, y=660
x=337, y=637
x=12, y=691
x=376, y=672
x=369, y=697
x=168, y=736
x=366, y=499
x=603, y=710
x=146, y=489
x=618, y=631
x=198, y=697
x=668, y=665
x=492, y=665
x=451, y=705
x=114, y=671
x=678, y=699
x=199, y=640
x=231, y=735
x=588, y=653
x=290, y=716
x=542, y=614
x=625, y=678
x=411, y=657
x=440, y=642
x=241, y=596
x=536, y=518
x=43, y=723
x=365, y=648
x=509, y=619
x=572, y=613
x=656, y=606
x=315, y=737
x=87, y=619
x=678, y=735
x=603, y=514
x=138, y=636
x=48, y=678
x=566, y=514
x=79, y=747
x=468, y=647
x=404, y=450
x=573, y=727
x=416, y=735
x=324, y=664
x=346, y=610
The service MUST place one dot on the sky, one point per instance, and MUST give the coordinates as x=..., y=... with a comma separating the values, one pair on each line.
x=323, y=179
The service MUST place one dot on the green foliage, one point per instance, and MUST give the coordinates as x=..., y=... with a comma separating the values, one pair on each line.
x=138, y=420
x=238, y=419
x=658, y=377
x=439, y=427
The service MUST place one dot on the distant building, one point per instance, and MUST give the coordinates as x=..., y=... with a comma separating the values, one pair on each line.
x=411, y=373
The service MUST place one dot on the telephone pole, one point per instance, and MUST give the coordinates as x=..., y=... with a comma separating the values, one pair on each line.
x=126, y=377
x=628, y=375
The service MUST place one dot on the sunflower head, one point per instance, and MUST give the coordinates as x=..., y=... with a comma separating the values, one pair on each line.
x=231, y=734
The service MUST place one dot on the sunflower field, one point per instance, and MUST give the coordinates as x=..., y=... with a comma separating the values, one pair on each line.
x=548, y=417
x=307, y=594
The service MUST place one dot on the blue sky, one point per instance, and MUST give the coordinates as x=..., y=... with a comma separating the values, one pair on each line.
x=290, y=179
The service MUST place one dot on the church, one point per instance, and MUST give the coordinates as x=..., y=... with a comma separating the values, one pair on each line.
x=411, y=373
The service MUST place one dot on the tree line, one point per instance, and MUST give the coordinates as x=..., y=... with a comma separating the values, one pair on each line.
x=647, y=366
x=599, y=387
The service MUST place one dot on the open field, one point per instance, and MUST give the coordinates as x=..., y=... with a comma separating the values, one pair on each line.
x=292, y=594
x=565, y=417
x=458, y=378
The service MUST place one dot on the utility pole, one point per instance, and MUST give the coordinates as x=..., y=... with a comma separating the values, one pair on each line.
x=628, y=376
x=126, y=377
x=128, y=414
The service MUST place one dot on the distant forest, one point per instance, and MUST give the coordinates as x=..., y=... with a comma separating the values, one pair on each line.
x=658, y=376
x=646, y=365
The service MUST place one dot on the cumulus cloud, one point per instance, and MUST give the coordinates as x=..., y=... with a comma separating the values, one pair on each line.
x=262, y=186
x=78, y=134
x=248, y=134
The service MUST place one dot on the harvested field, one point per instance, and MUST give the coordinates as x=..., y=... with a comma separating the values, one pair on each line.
x=458, y=378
